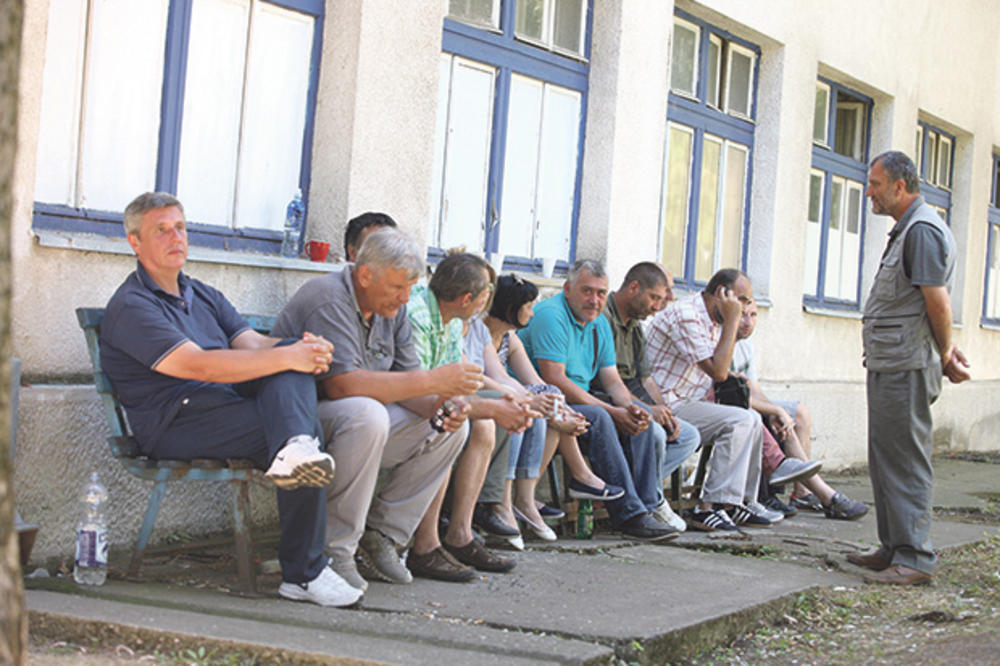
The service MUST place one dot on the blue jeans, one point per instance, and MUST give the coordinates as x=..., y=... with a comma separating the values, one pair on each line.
x=526, y=451
x=629, y=461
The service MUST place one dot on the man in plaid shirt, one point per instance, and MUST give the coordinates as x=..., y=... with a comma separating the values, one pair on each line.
x=690, y=347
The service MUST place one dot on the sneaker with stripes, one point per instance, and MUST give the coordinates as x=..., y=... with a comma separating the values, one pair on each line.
x=748, y=516
x=710, y=520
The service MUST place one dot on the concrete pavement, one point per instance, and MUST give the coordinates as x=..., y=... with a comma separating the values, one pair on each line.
x=605, y=600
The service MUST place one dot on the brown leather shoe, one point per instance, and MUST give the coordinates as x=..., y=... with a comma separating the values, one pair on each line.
x=898, y=574
x=874, y=561
x=475, y=555
x=439, y=565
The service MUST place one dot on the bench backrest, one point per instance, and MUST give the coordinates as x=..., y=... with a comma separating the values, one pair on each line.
x=121, y=442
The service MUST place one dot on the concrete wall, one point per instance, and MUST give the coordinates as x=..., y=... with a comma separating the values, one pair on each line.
x=373, y=149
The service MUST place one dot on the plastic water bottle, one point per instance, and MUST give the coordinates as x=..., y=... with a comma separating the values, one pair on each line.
x=294, y=215
x=92, y=535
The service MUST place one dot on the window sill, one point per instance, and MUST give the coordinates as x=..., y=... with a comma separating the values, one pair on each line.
x=831, y=312
x=989, y=326
x=95, y=243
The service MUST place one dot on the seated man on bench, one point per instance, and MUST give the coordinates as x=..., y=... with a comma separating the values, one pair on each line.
x=197, y=382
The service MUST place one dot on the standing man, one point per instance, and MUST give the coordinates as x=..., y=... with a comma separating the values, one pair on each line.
x=571, y=344
x=197, y=382
x=907, y=347
x=646, y=289
x=375, y=413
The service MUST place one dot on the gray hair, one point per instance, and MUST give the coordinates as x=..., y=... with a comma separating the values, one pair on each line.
x=391, y=248
x=142, y=204
x=897, y=165
x=592, y=266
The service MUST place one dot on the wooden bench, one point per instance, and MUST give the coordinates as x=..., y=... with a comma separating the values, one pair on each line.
x=123, y=446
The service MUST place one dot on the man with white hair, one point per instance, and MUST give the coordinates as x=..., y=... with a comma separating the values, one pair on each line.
x=376, y=410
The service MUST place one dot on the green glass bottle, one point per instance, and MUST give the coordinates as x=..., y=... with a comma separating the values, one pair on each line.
x=584, y=519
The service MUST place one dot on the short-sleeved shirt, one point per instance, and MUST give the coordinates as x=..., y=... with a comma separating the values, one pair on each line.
x=743, y=359
x=554, y=334
x=327, y=306
x=142, y=325
x=630, y=343
x=476, y=339
x=437, y=343
x=925, y=256
x=679, y=337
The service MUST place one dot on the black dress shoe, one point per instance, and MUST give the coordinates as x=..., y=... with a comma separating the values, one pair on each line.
x=647, y=528
x=485, y=519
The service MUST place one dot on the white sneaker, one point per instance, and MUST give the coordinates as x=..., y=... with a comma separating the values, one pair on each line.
x=769, y=514
x=326, y=589
x=667, y=515
x=300, y=463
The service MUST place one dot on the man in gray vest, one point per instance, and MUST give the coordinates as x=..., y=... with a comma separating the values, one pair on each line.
x=907, y=345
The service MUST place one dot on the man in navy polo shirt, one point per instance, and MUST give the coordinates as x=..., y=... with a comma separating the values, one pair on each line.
x=197, y=382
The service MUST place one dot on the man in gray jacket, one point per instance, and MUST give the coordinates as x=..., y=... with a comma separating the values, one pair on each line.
x=907, y=346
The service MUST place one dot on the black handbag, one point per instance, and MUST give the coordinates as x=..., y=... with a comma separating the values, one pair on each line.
x=733, y=391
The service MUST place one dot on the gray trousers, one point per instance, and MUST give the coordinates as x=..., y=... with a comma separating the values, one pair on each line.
x=736, y=435
x=899, y=462
x=364, y=435
x=496, y=474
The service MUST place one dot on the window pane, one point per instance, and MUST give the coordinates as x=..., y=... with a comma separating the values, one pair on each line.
x=714, y=70
x=467, y=152
x=684, y=58
x=932, y=148
x=59, y=124
x=119, y=139
x=557, y=171
x=850, y=128
x=568, y=17
x=944, y=162
x=851, y=251
x=821, y=111
x=274, y=115
x=740, y=81
x=529, y=19
x=480, y=12
x=811, y=274
x=440, y=134
x=732, y=213
x=708, y=205
x=996, y=182
x=677, y=193
x=993, y=277
x=213, y=95
x=834, y=241
x=517, y=210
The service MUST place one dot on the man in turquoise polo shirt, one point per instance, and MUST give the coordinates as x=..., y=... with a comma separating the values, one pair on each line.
x=571, y=343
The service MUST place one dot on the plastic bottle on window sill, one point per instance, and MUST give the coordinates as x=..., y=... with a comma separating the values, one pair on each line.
x=92, y=535
x=294, y=214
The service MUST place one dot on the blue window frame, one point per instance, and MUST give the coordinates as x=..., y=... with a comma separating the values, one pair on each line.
x=512, y=112
x=200, y=73
x=991, y=290
x=835, y=221
x=707, y=177
x=935, y=159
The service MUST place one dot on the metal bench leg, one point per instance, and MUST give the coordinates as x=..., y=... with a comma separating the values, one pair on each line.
x=155, y=497
x=243, y=537
x=699, y=477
